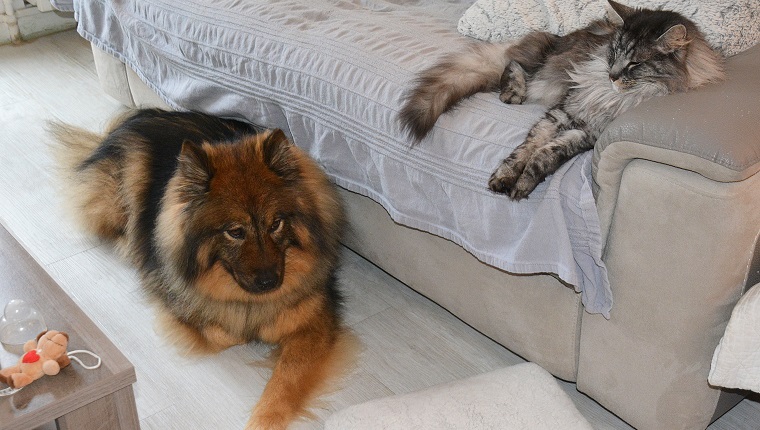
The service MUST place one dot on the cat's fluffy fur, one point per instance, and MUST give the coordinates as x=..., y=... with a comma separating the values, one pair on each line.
x=585, y=78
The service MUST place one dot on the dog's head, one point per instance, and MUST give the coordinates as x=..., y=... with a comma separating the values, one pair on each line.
x=243, y=220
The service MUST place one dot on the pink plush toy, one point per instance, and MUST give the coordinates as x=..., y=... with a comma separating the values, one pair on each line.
x=45, y=355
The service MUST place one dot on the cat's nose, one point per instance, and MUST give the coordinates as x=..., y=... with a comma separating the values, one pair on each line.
x=615, y=82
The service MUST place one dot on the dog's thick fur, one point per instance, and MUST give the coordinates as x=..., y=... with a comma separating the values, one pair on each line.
x=234, y=233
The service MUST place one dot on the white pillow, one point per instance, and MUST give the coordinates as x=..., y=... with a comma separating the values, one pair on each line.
x=731, y=26
x=736, y=362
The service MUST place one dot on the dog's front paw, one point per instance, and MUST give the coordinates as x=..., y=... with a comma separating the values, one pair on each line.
x=271, y=420
x=219, y=339
x=190, y=341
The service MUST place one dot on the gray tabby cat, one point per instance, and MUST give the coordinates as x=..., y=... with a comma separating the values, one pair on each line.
x=586, y=78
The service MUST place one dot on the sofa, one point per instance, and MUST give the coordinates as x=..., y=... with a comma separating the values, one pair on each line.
x=673, y=183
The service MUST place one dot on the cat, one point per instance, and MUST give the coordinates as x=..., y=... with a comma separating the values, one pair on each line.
x=585, y=78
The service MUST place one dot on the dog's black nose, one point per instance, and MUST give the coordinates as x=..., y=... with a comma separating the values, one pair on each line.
x=266, y=280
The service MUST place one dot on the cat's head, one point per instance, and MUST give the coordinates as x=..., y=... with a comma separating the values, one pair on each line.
x=649, y=48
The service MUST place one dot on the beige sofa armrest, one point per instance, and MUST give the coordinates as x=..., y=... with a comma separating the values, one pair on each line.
x=713, y=131
x=678, y=194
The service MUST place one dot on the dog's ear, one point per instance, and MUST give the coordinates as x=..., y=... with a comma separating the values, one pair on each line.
x=280, y=155
x=194, y=168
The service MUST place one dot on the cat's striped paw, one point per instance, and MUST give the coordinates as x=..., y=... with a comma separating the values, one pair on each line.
x=523, y=187
x=516, y=184
x=503, y=178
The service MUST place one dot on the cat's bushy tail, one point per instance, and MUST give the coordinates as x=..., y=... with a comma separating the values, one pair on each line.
x=454, y=78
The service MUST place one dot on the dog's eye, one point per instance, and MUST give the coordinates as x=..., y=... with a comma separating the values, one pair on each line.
x=235, y=233
x=276, y=225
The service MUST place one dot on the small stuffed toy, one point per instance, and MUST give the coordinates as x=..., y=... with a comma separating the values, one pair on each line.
x=45, y=355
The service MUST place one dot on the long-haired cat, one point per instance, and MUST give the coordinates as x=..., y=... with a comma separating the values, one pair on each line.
x=586, y=79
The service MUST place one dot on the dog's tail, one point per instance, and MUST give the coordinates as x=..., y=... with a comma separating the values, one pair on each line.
x=90, y=189
x=454, y=78
x=72, y=145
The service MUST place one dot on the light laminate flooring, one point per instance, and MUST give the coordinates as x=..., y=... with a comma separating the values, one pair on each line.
x=409, y=342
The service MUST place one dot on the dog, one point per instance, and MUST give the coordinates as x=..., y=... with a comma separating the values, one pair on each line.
x=235, y=234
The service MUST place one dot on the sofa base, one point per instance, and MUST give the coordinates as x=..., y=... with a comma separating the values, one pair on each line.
x=501, y=305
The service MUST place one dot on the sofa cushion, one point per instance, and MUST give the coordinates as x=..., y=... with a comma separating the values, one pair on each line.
x=705, y=131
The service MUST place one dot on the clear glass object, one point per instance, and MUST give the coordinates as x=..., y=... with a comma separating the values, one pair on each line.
x=20, y=323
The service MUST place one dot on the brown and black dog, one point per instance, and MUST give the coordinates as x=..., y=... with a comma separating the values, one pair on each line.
x=235, y=233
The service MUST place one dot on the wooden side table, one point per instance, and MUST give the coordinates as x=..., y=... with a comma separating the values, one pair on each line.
x=76, y=398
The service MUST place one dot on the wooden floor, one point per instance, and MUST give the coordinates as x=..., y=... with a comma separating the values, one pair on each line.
x=410, y=343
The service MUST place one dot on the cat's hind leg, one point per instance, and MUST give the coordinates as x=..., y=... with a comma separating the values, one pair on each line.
x=513, y=84
x=525, y=58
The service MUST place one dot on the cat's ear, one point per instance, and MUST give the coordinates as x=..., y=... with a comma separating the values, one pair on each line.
x=673, y=39
x=617, y=13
